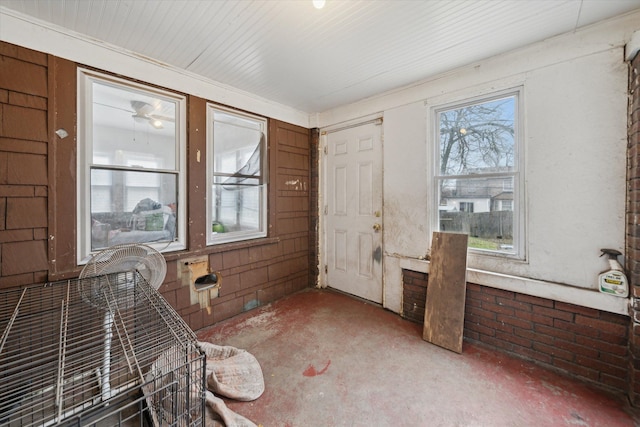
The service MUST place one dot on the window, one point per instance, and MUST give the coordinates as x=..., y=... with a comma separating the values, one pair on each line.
x=131, y=165
x=506, y=205
x=237, y=185
x=477, y=169
x=466, y=206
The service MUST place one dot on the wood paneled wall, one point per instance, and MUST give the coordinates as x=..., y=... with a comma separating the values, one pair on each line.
x=38, y=197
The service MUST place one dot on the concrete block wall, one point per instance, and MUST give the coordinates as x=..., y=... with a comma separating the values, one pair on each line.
x=586, y=343
x=23, y=165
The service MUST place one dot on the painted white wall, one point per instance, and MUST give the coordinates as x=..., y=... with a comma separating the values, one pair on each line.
x=404, y=195
x=405, y=181
x=575, y=127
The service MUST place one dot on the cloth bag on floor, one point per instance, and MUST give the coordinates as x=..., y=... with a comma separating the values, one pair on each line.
x=233, y=372
x=222, y=416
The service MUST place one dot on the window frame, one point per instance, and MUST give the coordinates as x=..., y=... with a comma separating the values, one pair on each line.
x=434, y=177
x=466, y=207
x=85, y=80
x=221, y=238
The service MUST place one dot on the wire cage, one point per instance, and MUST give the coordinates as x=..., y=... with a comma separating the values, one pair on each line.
x=105, y=351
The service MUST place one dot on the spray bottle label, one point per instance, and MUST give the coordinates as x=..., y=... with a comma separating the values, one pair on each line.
x=613, y=282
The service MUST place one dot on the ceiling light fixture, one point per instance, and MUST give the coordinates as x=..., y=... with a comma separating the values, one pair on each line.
x=318, y=4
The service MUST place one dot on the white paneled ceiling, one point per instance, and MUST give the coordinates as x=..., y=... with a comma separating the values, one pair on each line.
x=314, y=60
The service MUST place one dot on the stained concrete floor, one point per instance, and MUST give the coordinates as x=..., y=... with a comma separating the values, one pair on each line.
x=332, y=360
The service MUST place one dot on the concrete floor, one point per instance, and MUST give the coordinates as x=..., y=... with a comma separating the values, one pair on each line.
x=332, y=360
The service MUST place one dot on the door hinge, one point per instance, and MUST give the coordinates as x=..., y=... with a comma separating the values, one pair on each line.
x=326, y=150
x=326, y=209
x=326, y=269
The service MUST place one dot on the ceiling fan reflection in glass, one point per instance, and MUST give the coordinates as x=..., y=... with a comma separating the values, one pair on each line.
x=144, y=112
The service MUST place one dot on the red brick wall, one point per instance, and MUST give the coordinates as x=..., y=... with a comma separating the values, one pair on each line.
x=23, y=166
x=594, y=345
x=414, y=296
x=253, y=273
x=632, y=261
x=586, y=343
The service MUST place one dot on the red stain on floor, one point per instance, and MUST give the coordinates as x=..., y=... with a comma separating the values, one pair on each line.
x=311, y=370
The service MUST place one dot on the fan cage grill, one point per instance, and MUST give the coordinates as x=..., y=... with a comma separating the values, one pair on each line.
x=52, y=356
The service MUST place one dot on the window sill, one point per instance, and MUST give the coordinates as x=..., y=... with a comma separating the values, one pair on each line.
x=568, y=294
x=223, y=247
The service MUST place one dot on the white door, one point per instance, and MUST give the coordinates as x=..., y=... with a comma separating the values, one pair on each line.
x=353, y=211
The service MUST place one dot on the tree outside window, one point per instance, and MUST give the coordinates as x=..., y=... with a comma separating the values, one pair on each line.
x=478, y=171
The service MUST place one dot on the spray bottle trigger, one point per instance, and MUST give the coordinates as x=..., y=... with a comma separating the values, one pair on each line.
x=612, y=253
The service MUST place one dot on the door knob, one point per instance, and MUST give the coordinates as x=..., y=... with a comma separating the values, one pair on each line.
x=377, y=227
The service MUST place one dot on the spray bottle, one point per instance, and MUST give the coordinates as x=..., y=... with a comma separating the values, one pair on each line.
x=613, y=281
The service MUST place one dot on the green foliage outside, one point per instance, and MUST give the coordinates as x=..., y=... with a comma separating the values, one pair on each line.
x=478, y=243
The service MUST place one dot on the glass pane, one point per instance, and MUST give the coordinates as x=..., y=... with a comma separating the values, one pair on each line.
x=137, y=207
x=232, y=119
x=236, y=208
x=100, y=198
x=478, y=138
x=133, y=128
x=480, y=207
x=237, y=150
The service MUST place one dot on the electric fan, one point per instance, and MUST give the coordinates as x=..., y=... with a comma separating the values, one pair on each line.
x=100, y=289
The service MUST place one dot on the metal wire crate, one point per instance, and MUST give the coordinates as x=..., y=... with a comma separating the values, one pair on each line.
x=69, y=358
